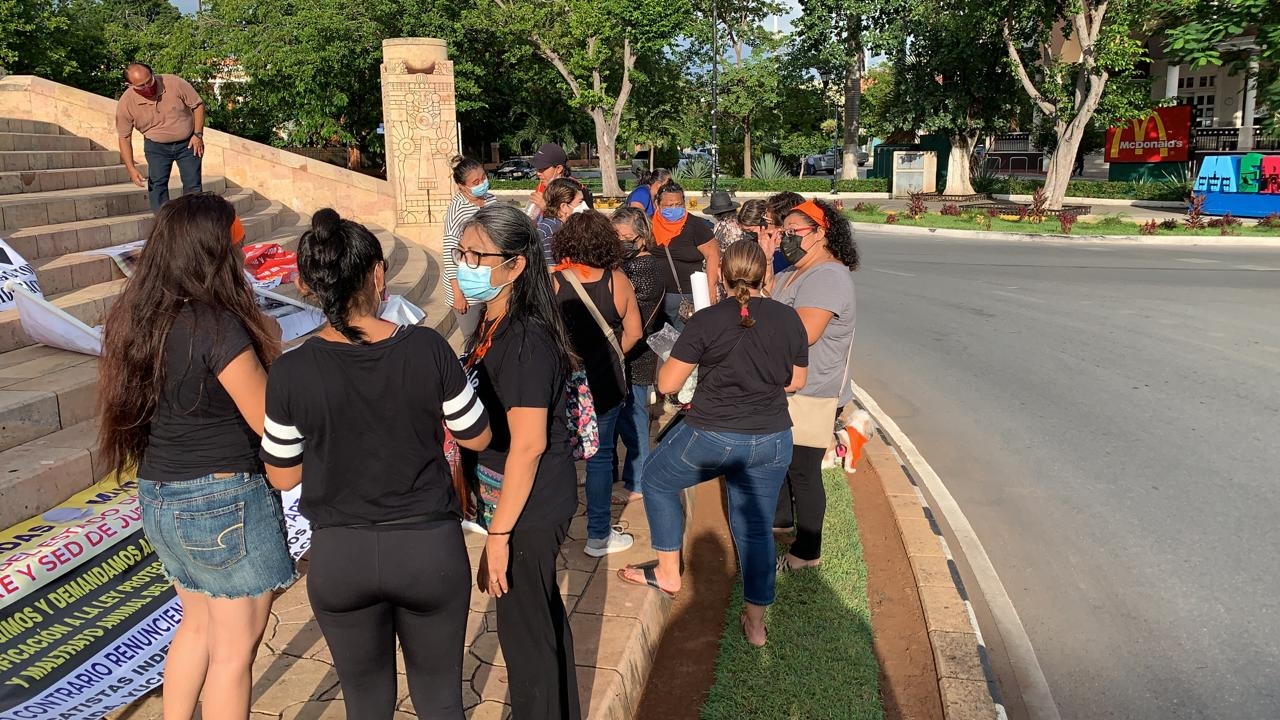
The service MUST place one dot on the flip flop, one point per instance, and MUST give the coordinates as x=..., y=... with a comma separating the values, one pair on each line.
x=650, y=578
x=742, y=623
x=784, y=566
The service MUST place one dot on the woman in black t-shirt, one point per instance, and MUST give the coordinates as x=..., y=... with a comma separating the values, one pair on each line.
x=520, y=362
x=687, y=244
x=182, y=383
x=749, y=352
x=358, y=412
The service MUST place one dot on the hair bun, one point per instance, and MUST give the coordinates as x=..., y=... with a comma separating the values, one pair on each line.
x=455, y=161
x=326, y=222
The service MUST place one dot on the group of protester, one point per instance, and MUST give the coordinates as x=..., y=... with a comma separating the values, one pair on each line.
x=197, y=393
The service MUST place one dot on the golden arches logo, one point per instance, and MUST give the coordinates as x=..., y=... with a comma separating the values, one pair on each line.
x=1139, y=142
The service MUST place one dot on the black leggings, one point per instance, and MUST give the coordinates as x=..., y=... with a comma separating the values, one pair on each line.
x=370, y=586
x=533, y=630
x=804, y=486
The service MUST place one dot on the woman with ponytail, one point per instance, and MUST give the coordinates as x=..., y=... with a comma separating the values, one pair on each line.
x=817, y=242
x=357, y=415
x=520, y=361
x=749, y=352
x=181, y=396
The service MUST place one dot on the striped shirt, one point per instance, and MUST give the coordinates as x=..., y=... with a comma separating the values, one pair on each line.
x=460, y=210
x=366, y=422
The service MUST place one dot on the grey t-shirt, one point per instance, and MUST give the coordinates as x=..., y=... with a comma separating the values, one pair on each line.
x=828, y=286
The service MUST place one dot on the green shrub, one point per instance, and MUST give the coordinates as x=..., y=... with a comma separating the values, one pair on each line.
x=768, y=168
x=814, y=185
x=696, y=169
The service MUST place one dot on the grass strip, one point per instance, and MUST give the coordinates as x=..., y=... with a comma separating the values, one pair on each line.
x=819, y=663
x=1108, y=225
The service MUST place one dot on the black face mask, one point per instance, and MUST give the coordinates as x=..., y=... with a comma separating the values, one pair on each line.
x=629, y=250
x=751, y=235
x=791, y=248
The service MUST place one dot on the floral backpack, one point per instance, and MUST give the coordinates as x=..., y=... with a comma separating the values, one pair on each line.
x=584, y=432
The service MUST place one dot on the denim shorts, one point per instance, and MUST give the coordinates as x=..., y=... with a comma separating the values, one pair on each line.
x=219, y=536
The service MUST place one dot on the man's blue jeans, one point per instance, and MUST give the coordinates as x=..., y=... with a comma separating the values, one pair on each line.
x=633, y=428
x=600, y=477
x=160, y=160
x=753, y=467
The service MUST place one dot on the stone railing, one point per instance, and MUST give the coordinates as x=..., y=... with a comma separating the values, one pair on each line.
x=303, y=184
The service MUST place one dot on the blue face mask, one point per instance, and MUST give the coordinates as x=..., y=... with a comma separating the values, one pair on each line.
x=475, y=283
x=672, y=214
x=481, y=189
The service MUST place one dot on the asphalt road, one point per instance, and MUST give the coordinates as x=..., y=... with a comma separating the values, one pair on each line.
x=1108, y=418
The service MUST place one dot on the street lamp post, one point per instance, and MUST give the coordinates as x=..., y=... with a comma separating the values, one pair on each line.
x=715, y=99
x=839, y=146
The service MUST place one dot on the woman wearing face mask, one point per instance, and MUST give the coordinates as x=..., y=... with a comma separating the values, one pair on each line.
x=358, y=412
x=471, y=192
x=749, y=351
x=688, y=244
x=644, y=270
x=647, y=190
x=818, y=243
x=758, y=226
x=563, y=198
x=520, y=363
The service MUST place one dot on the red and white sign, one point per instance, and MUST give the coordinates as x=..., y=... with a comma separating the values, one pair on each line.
x=1163, y=136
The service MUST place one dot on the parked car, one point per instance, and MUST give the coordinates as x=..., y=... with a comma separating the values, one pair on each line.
x=516, y=169
x=830, y=162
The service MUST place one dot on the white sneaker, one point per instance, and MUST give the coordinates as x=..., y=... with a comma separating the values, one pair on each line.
x=616, y=542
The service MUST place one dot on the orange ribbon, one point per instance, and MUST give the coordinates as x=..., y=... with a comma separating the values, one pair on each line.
x=569, y=264
x=482, y=347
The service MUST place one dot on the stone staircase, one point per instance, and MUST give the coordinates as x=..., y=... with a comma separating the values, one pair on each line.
x=60, y=197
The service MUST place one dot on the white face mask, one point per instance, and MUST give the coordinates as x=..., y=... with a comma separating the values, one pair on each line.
x=580, y=207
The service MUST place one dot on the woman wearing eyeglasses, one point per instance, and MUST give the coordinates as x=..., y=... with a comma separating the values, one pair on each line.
x=471, y=192
x=519, y=360
x=817, y=241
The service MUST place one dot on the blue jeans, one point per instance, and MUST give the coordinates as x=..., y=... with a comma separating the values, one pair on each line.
x=600, y=477
x=160, y=160
x=753, y=467
x=633, y=428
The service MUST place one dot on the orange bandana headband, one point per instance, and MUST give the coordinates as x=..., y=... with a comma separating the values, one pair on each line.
x=813, y=211
x=237, y=231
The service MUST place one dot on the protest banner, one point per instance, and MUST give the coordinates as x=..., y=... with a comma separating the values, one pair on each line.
x=86, y=612
x=13, y=268
x=46, y=323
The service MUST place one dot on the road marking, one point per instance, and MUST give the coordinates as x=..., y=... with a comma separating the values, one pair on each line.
x=891, y=272
x=1019, y=297
x=1198, y=261
x=1259, y=268
x=1022, y=656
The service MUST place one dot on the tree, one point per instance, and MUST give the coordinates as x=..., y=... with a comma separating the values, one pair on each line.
x=594, y=46
x=950, y=76
x=829, y=34
x=1198, y=30
x=1063, y=54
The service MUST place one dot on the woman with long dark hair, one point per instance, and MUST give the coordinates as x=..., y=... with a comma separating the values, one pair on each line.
x=600, y=312
x=749, y=352
x=471, y=192
x=357, y=412
x=520, y=362
x=182, y=383
x=817, y=242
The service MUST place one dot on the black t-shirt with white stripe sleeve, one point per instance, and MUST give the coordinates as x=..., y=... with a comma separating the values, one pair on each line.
x=367, y=424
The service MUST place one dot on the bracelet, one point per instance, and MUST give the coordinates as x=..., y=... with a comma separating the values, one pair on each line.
x=501, y=533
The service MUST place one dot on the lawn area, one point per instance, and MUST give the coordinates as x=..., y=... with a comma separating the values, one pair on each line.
x=1109, y=225
x=819, y=663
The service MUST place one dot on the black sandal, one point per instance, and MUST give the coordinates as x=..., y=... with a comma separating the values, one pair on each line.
x=650, y=578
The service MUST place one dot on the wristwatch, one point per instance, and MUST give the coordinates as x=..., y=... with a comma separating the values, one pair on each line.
x=199, y=135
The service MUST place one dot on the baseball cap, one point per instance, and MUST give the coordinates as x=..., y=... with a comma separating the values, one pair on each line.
x=549, y=155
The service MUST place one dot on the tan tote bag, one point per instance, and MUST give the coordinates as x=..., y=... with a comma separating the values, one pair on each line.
x=813, y=419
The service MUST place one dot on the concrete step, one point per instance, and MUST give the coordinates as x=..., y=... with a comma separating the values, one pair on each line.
x=43, y=390
x=77, y=270
x=14, y=125
x=41, y=141
x=51, y=241
x=30, y=181
x=63, y=206
x=41, y=473
x=23, y=160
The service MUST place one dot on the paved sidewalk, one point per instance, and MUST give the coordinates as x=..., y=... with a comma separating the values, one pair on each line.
x=615, y=629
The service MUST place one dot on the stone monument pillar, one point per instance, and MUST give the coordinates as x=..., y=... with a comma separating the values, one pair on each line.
x=420, y=122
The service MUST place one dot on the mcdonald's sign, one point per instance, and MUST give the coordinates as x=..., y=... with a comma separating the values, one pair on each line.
x=1162, y=136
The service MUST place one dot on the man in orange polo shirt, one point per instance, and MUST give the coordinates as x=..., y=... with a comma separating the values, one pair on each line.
x=170, y=115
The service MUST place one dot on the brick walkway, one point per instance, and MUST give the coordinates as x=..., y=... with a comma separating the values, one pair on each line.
x=616, y=628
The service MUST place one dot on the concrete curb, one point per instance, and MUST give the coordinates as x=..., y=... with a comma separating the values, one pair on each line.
x=964, y=680
x=1188, y=240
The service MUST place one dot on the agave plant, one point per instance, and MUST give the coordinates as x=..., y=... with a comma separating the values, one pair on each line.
x=696, y=169
x=767, y=167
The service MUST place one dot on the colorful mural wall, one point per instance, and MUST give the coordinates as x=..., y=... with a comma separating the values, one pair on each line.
x=1244, y=185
